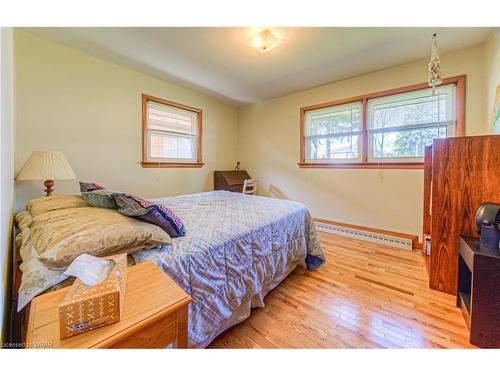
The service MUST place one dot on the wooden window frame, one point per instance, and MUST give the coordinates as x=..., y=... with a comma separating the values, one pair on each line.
x=459, y=81
x=151, y=164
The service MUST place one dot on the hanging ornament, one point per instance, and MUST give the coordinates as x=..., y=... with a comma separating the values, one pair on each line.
x=434, y=75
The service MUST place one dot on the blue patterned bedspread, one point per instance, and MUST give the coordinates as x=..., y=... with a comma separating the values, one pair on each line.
x=235, y=246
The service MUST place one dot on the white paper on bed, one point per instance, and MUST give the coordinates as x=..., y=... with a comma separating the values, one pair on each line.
x=89, y=269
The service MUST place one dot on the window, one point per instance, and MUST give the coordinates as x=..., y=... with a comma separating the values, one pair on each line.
x=171, y=134
x=333, y=133
x=401, y=125
x=388, y=129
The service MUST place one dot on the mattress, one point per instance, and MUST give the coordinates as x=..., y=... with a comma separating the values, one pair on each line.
x=237, y=248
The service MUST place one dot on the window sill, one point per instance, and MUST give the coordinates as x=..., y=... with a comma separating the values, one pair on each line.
x=152, y=164
x=415, y=165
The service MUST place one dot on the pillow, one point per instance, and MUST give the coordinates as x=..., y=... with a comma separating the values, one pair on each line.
x=60, y=236
x=90, y=186
x=100, y=198
x=154, y=213
x=23, y=220
x=41, y=205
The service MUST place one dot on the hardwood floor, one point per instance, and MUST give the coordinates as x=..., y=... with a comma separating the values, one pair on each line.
x=365, y=296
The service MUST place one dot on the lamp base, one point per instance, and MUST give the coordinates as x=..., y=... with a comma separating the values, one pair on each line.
x=48, y=187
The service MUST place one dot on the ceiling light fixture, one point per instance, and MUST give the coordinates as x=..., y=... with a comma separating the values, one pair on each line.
x=265, y=41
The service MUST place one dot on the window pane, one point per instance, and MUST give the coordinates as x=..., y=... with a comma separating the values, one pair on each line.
x=167, y=146
x=335, y=119
x=341, y=147
x=423, y=111
x=405, y=143
x=412, y=120
x=167, y=118
x=412, y=108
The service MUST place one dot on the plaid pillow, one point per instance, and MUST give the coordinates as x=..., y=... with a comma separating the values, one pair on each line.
x=151, y=212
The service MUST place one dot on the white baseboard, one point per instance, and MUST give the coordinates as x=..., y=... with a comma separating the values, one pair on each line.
x=366, y=235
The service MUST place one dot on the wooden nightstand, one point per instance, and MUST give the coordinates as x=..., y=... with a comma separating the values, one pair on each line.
x=154, y=315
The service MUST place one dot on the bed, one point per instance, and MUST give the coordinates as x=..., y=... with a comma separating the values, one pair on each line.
x=237, y=248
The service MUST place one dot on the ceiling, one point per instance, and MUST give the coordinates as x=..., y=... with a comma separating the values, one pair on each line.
x=221, y=61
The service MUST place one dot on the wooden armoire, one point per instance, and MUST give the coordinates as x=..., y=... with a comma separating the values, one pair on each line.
x=459, y=174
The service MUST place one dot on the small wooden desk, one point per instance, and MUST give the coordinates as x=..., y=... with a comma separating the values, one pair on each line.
x=155, y=312
x=230, y=180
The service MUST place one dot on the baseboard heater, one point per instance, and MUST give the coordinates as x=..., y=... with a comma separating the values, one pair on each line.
x=366, y=235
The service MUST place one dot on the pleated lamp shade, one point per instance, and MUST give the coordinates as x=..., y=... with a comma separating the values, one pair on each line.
x=48, y=166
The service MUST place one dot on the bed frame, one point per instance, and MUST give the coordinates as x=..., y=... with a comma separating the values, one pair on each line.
x=17, y=322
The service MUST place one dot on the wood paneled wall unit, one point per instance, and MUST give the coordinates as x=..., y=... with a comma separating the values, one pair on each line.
x=463, y=173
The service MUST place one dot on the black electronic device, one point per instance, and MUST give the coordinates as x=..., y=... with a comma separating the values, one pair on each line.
x=488, y=225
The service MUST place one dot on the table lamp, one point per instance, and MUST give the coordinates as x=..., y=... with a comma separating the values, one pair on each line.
x=46, y=166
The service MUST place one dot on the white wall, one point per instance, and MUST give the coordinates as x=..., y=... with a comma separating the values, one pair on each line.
x=90, y=109
x=6, y=160
x=268, y=147
x=492, y=69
